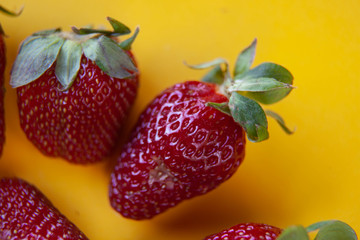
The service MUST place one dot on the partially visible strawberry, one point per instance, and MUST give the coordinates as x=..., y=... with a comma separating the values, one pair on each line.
x=327, y=230
x=25, y=213
x=191, y=137
x=247, y=231
x=2, y=70
x=75, y=90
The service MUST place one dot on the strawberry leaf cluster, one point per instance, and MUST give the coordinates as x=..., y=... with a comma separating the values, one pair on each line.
x=267, y=83
x=43, y=49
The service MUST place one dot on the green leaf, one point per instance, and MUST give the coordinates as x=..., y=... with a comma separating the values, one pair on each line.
x=126, y=44
x=11, y=13
x=261, y=84
x=205, y=65
x=336, y=230
x=250, y=116
x=318, y=225
x=109, y=56
x=68, y=63
x=222, y=107
x=85, y=31
x=281, y=81
x=245, y=59
x=269, y=70
x=215, y=75
x=47, y=32
x=36, y=55
x=280, y=121
x=119, y=28
x=294, y=233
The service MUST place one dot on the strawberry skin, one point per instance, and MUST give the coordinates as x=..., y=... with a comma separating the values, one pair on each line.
x=81, y=124
x=247, y=231
x=2, y=91
x=179, y=149
x=25, y=213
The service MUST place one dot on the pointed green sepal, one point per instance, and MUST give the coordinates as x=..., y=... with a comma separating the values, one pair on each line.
x=126, y=44
x=47, y=32
x=11, y=13
x=269, y=83
x=333, y=230
x=118, y=29
x=294, y=233
x=213, y=63
x=109, y=57
x=264, y=90
x=280, y=121
x=250, y=116
x=215, y=75
x=318, y=225
x=68, y=63
x=269, y=70
x=245, y=59
x=36, y=55
x=222, y=107
x=261, y=84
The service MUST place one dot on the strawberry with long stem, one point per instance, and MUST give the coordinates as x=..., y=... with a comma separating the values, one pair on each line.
x=326, y=230
x=191, y=137
x=75, y=89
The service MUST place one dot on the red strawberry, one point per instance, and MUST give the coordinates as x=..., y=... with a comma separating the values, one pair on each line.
x=75, y=90
x=329, y=230
x=2, y=70
x=191, y=137
x=251, y=231
x=25, y=213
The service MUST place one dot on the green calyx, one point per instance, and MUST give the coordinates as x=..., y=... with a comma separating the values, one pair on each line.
x=247, y=88
x=327, y=230
x=42, y=49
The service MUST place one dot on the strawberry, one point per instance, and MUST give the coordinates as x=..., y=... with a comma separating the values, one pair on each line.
x=75, y=90
x=191, y=137
x=25, y=213
x=253, y=231
x=2, y=70
x=329, y=230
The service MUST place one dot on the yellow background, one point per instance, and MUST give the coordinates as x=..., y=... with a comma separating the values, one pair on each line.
x=300, y=179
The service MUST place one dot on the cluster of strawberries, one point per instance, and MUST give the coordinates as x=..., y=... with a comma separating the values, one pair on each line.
x=75, y=90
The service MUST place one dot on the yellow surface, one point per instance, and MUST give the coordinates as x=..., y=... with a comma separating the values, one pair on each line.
x=299, y=179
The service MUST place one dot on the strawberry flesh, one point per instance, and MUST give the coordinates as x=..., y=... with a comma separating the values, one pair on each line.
x=25, y=213
x=179, y=149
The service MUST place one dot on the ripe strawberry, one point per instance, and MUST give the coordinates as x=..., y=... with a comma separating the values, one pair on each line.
x=2, y=70
x=25, y=213
x=75, y=90
x=191, y=137
x=251, y=231
x=329, y=230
